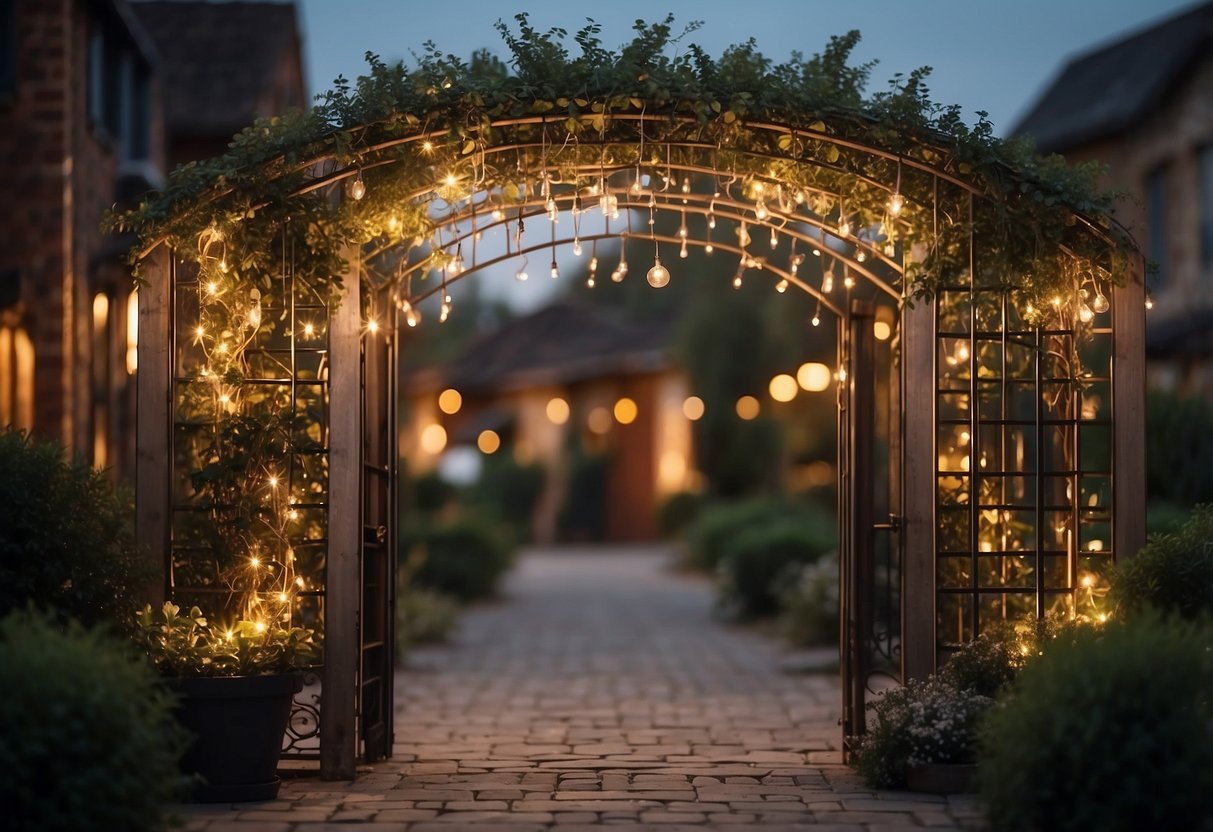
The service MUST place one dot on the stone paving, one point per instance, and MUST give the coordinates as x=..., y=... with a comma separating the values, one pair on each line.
x=601, y=692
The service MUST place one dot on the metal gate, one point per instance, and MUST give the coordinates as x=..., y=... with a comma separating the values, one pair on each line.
x=377, y=554
x=869, y=453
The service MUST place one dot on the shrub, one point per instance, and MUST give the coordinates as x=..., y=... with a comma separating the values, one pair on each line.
x=1179, y=448
x=923, y=722
x=1111, y=729
x=89, y=737
x=463, y=558
x=66, y=541
x=507, y=493
x=716, y=525
x=423, y=616
x=1172, y=573
x=809, y=603
x=756, y=559
x=677, y=512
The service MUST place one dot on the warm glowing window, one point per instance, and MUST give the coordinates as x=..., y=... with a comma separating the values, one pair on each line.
x=16, y=378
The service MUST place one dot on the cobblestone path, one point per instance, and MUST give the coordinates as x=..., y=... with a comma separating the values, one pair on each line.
x=601, y=692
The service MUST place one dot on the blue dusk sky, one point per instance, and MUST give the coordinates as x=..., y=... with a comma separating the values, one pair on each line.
x=992, y=56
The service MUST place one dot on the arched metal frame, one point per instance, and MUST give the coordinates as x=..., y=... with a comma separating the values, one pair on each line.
x=923, y=482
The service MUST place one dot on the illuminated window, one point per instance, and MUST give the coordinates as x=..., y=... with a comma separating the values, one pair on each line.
x=16, y=378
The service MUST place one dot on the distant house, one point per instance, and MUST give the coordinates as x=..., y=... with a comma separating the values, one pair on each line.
x=1143, y=106
x=570, y=377
x=98, y=99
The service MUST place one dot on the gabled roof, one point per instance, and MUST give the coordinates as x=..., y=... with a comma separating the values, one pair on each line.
x=216, y=59
x=562, y=343
x=1112, y=88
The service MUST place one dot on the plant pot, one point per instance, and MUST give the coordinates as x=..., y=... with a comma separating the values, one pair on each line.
x=238, y=723
x=942, y=778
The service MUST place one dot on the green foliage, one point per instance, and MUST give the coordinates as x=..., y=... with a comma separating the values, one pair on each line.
x=922, y=722
x=464, y=558
x=507, y=493
x=756, y=561
x=1179, y=448
x=678, y=512
x=808, y=603
x=988, y=664
x=423, y=616
x=429, y=493
x=1111, y=730
x=258, y=191
x=718, y=524
x=89, y=737
x=1173, y=573
x=66, y=542
x=189, y=645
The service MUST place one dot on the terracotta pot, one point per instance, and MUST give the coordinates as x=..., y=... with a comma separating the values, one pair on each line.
x=238, y=723
x=942, y=778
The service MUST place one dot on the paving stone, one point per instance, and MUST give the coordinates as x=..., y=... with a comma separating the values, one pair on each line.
x=602, y=693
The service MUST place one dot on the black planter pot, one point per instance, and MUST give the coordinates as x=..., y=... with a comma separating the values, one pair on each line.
x=238, y=723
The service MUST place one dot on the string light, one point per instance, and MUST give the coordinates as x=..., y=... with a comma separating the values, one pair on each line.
x=357, y=188
x=659, y=275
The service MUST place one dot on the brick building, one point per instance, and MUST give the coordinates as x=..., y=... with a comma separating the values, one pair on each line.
x=98, y=98
x=1143, y=106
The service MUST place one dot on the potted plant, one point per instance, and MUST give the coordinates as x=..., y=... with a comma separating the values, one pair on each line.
x=235, y=686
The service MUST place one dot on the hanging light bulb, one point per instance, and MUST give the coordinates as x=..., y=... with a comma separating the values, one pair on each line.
x=844, y=227
x=1100, y=304
x=576, y=247
x=1149, y=302
x=593, y=264
x=686, y=185
x=860, y=256
x=357, y=188
x=848, y=282
x=1085, y=314
x=827, y=282
x=412, y=317
x=659, y=275
x=709, y=248
x=498, y=214
x=521, y=274
x=711, y=220
x=554, y=270
x=760, y=210
x=816, y=319
x=682, y=251
x=444, y=312
x=774, y=239
x=782, y=286
x=896, y=203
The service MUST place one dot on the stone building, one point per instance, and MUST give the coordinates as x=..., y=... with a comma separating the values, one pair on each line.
x=1143, y=106
x=98, y=98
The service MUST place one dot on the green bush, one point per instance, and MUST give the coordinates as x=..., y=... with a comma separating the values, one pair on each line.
x=718, y=524
x=1173, y=573
x=66, y=541
x=1179, y=448
x=507, y=492
x=423, y=616
x=678, y=512
x=89, y=737
x=756, y=560
x=1110, y=730
x=809, y=603
x=464, y=558
x=923, y=722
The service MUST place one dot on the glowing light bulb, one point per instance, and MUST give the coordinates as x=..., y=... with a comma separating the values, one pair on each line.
x=357, y=188
x=259, y=626
x=774, y=239
x=816, y=320
x=760, y=210
x=427, y=146
x=711, y=220
x=682, y=250
x=589, y=281
x=498, y=214
x=737, y=280
x=860, y=256
x=1100, y=304
x=848, y=282
x=554, y=270
x=686, y=185
x=521, y=274
x=212, y=288
x=273, y=482
x=827, y=282
x=576, y=248
x=1085, y=314
x=1149, y=302
x=372, y=326
x=593, y=264
x=844, y=228
x=254, y=562
x=450, y=180
x=781, y=286
x=282, y=599
x=659, y=275
x=896, y=203
x=200, y=332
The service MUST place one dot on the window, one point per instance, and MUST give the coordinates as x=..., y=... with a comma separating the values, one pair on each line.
x=16, y=378
x=8, y=47
x=1156, y=219
x=1206, y=205
x=119, y=93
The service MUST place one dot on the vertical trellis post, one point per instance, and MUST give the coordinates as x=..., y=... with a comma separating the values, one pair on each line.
x=1129, y=413
x=338, y=722
x=153, y=414
x=918, y=489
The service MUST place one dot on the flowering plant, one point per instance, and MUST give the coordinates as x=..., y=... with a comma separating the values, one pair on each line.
x=189, y=645
x=923, y=722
